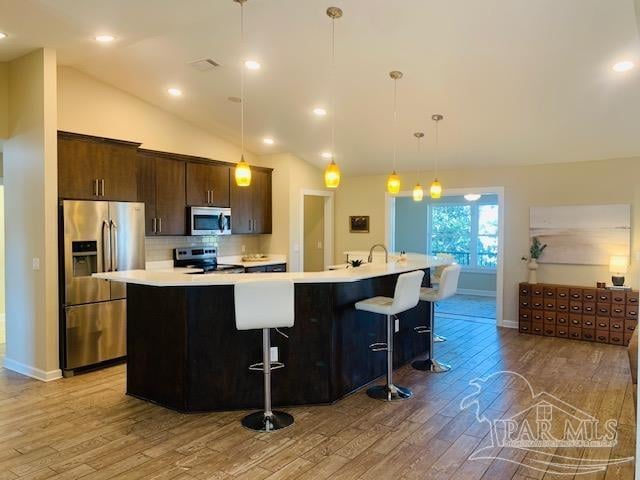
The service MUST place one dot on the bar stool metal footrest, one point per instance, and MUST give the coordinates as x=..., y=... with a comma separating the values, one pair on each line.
x=259, y=367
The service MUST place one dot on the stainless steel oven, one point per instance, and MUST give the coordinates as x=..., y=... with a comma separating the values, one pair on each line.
x=209, y=221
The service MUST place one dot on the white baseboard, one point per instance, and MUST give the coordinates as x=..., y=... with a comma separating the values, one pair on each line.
x=3, y=323
x=30, y=371
x=509, y=324
x=480, y=293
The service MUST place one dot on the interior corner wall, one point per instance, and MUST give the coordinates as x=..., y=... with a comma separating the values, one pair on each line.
x=31, y=232
x=290, y=176
x=580, y=183
x=4, y=100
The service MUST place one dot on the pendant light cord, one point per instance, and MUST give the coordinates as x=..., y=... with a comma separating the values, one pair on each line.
x=395, y=123
x=333, y=89
x=437, y=151
x=242, y=81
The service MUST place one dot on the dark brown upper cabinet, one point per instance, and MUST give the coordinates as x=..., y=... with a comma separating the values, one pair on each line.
x=95, y=168
x=251, y=206
x=207, y=185
x=161, y=186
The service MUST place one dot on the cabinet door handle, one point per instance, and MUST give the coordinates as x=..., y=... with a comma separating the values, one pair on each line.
x=153, y=225
x=96, y=189
x=159, y=225
x=249, y=225
x=209, y=196
x=102, y=187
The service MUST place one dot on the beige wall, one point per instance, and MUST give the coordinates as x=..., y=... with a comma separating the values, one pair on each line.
x=4, y=99
x=87, y=105
x=599, y=182
x=313, y=233
x=30, y=179
x=291, y=176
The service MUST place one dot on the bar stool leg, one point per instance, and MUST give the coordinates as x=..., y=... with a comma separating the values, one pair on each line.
x=389, y=392
x=431, y=365
x=267, y=420
x=436, y=338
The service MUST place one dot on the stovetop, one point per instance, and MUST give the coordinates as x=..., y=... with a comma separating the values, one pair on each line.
x=203, y=260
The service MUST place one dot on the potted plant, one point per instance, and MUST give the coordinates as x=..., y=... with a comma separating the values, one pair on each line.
x=535, y=252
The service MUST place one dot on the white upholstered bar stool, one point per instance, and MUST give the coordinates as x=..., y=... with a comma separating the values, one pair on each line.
x=265, y=304
x=446, y=288
x=405, y=297
x=436, y=275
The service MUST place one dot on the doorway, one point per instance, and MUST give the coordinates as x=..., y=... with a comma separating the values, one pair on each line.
x=466, y=229
x=316, y=230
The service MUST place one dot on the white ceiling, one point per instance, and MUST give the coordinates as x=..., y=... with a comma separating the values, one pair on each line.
x=519, y=81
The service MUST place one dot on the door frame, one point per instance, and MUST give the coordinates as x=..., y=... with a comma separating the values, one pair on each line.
x=390, y=223
x=328, y=225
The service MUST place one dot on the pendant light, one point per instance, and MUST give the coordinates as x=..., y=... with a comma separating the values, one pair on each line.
x=243, y=170
x=332, y=172
x=418, y=192
x=436, y=189
x=393, y=182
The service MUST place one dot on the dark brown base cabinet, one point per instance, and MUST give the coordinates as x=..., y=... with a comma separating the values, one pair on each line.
x=280, y=267
x=580, y=313
x=185, y=353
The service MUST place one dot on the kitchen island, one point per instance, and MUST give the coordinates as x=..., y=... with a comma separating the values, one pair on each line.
x=184, y=351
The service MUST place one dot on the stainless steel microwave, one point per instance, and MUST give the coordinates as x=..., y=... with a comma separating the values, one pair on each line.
x=209, y=220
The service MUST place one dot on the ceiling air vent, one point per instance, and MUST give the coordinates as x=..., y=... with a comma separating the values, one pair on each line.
x=204, y=64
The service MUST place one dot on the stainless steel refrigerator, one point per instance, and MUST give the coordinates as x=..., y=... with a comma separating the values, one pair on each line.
x=97, y=237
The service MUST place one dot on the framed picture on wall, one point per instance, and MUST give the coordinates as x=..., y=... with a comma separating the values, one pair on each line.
x=359, y=224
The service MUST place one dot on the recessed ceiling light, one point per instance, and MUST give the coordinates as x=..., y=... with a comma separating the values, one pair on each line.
x=623, y=66
x=327, y=155
x=252, y=65
x=174, y=92
x=3, y=35
x=319, y=111
x=105, y=38
x=268, y=141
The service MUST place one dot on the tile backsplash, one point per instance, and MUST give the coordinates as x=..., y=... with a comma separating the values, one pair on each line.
x=161, y=248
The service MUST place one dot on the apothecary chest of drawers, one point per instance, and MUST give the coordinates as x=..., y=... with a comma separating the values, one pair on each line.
x=581, y=313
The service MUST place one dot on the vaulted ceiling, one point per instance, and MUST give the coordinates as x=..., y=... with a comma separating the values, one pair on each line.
x=518, y=81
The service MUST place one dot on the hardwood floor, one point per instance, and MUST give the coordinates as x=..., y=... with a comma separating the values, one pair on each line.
x=85, y=427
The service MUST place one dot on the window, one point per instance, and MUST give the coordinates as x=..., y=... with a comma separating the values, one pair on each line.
x=468, y=232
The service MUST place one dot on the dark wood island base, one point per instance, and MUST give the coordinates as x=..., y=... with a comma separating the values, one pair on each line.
x=185, y=353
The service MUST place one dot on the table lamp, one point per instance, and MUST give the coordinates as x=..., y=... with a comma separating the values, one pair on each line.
x=618, y=267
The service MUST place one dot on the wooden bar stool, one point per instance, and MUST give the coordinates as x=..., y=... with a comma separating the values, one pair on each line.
x=405, y=297
x=446, y=288
x=265, y=304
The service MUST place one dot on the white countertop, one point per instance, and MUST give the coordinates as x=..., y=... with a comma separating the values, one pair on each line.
x=178, y=278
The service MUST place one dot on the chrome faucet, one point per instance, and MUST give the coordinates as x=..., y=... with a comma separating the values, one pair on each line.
x=386, y=253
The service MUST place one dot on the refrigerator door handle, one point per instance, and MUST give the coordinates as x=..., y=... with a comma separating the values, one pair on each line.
x=114, y=246
x=106, y=263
